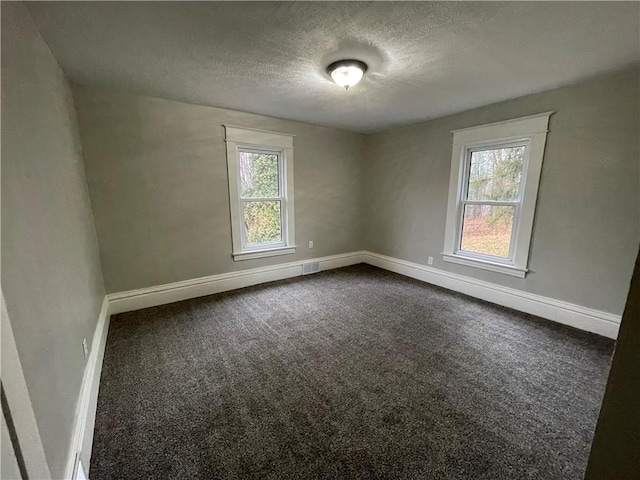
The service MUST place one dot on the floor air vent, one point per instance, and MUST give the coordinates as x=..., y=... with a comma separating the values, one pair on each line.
x=311, y=267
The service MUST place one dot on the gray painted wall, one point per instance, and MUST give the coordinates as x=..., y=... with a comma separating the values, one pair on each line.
x=158, y=180
x=46, y=220
x=587, y=224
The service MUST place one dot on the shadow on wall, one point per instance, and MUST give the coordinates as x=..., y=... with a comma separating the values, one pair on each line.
x=616, y=443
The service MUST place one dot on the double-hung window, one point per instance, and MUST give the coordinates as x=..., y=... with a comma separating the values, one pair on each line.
x=495, y=172
x=260, y=169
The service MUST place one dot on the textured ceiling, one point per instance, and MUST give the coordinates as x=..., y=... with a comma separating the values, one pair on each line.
x=426, y=59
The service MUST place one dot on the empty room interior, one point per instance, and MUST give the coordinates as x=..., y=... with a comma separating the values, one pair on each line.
x=320, y=240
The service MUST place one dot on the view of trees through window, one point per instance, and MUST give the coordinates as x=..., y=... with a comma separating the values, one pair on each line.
x=261, y=197
x=494, y=176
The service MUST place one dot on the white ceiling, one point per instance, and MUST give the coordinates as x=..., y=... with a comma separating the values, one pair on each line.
x=426, y=59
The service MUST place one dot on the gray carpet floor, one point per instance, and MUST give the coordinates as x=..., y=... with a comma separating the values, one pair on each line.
x=351, y=373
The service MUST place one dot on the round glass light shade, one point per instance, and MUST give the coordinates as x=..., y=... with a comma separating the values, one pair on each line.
x=347, y=73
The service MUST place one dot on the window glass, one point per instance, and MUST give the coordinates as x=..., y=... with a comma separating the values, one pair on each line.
x=262, y=222
x=495, y=174
x=258, y=174
x=486, y=229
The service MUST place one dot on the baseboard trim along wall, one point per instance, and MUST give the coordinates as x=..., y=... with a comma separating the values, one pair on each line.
x=82, y=439
x=595, y=321
x=199, y=287
x=602, y=323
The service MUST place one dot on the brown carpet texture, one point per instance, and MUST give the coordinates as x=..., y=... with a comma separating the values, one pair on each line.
x=351, y=373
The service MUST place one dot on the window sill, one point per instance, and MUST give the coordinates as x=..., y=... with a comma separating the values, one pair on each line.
x=485, y=265
x=267, y=252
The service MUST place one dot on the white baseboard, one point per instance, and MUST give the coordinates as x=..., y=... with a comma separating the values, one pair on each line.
x=199, y=287
x=602, y=323
x=82, y=438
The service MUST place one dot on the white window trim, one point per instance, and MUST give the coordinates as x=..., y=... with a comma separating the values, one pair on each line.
x=532, y=131
x=238, y=138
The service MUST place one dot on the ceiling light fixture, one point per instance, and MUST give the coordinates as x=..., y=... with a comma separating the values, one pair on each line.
x=347, y=73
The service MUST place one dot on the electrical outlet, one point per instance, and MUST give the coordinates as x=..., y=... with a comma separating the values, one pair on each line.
x=430, y=260
x=310, y=243
x=85, y=348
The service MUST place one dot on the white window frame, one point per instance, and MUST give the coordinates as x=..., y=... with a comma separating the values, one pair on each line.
x=530, y=131
x=260, y=141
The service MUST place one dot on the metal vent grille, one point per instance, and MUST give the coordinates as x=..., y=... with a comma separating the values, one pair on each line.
x=311, y=267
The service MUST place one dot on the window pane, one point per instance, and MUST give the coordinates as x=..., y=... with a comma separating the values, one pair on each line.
x=258, y=175
x=495, y=174
x=487, y=229
x=262, y=222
